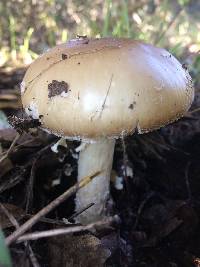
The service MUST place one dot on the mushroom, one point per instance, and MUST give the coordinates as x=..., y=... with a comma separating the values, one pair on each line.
x=97, y=90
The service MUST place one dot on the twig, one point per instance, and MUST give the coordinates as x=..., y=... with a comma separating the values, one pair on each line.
x=10, y=216
x=29, y=190
x=166, y=146
x=48, y=220
x=19, y=177
x=10, y=148
x=141, y=207
x=11, y=182
x=187, y=181
x=32, y=257
x=52, y=205
x=194, y=110
x=18, y=146
x=81, y=211
x=15, y=223
x=68, y=230
x=151, y=148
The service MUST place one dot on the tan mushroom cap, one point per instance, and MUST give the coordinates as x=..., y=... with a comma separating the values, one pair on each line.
x=90, y=88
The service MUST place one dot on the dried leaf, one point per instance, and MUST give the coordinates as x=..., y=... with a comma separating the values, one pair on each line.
x=83, y=250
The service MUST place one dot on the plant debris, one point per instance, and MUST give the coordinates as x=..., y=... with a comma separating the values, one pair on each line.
x=23, y=124
x=81, y=250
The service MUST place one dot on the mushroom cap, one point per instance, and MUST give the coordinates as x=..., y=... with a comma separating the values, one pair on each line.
x=107, y=87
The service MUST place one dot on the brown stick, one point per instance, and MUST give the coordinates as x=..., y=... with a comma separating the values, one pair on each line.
x=9, y=216
x=68, y=230
x=10, y=148
x=193, y=111
x=52, y=205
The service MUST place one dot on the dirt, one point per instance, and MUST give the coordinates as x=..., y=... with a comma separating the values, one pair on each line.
x=132, y=105
x=64, y=56
x=23, y=124
x=56, y=88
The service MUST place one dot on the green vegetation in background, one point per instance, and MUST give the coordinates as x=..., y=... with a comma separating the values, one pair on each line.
x=122, y=27
x=12, y=36
x=12, y=33
x=195, y=70
x=169, y=23
x=106, y=24
x=5, y=260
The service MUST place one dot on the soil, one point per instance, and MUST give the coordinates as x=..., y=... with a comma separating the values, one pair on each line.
x=158, y=206
x=56, y=88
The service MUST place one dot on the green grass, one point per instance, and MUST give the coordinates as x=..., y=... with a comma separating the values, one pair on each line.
x=54, y=21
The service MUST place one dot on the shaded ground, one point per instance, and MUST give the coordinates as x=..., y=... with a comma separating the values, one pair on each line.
x=159, y=205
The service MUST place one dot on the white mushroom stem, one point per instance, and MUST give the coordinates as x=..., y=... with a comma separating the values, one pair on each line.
x=95, y=157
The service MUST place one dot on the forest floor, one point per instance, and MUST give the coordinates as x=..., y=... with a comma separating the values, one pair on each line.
x=158, y=206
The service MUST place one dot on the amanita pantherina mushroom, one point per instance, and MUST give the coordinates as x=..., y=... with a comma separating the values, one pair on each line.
x=97, y=90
